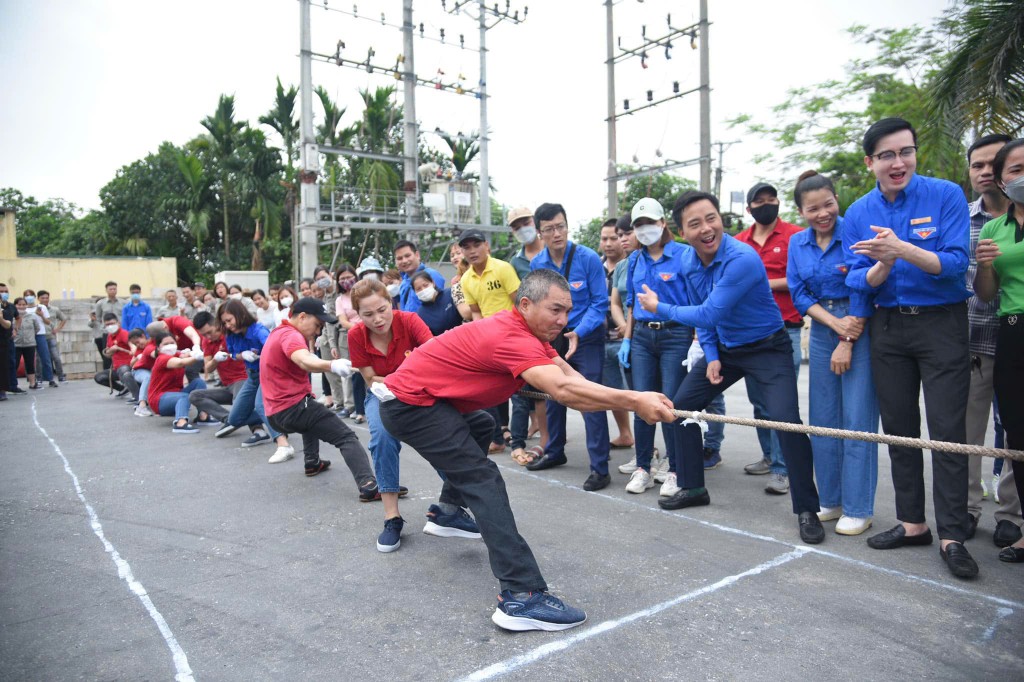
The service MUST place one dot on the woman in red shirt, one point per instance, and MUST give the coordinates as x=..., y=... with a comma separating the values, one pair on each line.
x=165, y=384
x=378, y=345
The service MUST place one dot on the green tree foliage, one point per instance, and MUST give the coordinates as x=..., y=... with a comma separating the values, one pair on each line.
x=224, y=132
x=284, y=121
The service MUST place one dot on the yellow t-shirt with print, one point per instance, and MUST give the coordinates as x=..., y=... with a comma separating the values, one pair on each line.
x=492, y=289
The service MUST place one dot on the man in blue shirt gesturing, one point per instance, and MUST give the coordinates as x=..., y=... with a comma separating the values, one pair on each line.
x=741, y=332
x=908, y=241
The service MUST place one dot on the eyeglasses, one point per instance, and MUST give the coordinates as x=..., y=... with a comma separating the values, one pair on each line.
x=561, y=227
x=889, y=155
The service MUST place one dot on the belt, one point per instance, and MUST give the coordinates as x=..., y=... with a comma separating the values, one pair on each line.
x=793, y=325
x=1011, y=320
x=916, y=309
x=834, y=301
x=661, y=325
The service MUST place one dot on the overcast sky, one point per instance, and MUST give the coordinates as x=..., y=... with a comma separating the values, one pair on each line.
x=92, y=85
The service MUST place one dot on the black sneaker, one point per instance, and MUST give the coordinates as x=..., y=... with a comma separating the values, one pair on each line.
x=320, y=467
x=21, y=391
x=596, y=481
x=257, y=438
x=54, y=384
x=368, y=492
x=225, y=430
x=35, y=387
x=391, y=538
x=3, y=396
x=63, y=380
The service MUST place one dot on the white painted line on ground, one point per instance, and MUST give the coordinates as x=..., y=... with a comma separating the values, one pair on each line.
x=124, y=571
x=990, y=631
x=510, y=664
x=767, y=538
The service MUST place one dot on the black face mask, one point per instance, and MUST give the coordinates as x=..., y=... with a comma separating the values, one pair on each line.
x=765, y=214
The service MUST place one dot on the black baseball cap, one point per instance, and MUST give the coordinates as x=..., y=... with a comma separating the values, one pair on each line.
x=315, y=307
x=757, y=189
x=472, y=235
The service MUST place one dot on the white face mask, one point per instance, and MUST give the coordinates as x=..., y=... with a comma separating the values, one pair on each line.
x=393, y=289
x=426, y=295
x=649, y=234
x=525, y=235
x=372, y=276
x=286, y=301
x=1015, y=190
x=236, y=296
x=169, y=349
x=111, y=328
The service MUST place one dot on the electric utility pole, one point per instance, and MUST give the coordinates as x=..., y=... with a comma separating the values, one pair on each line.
x=309, y=196
x=705, y=102
x=613, y=166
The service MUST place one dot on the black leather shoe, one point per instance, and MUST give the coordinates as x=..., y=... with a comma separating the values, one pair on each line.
x=972, y=526
x=959, y=560
x=811, y=530
x=1006, y=533
x=1012, y=555
x=547, y=462
x=596, y=481
x=897, y=537
x=687, y=497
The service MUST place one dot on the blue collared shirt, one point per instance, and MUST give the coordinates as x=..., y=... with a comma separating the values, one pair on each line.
x=813, y=274
x=930, y=214
x=253, y=339
x=587, y=286
x=407, y=297
x=731, y=302
x=136, y=316
x=663, y=277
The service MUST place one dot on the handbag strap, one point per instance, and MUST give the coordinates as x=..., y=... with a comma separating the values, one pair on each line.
x=568, y=261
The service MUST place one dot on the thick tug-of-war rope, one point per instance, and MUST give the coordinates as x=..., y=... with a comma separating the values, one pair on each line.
x=825, y=432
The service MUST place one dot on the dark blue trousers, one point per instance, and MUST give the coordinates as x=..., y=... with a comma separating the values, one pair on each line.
x=770, y=363
x=588, y=361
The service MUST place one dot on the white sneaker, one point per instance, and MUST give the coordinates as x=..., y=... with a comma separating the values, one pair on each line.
x=984, y=489
x=849, y=525
x=639, y=482
x=629, y=467
x=282, y=454
x=669, y=487
x=659, y=469
x=995, y=488
x=143, y=411
x=829, y=513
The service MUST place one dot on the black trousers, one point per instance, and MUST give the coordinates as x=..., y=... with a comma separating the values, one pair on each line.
x=1009, y=387
x=212, y=400
x=117, y=380
x=101, y=345
x=929, y=350
x=770, y=363
x=456, y=445
x=316, y=423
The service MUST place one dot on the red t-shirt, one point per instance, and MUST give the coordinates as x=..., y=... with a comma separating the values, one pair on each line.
x=284, y=383
x=408, y=331
x=229, y=370
x=120, y=339
x=177, y=325
x=145, y=356
x=473, y=366
x=163, y=380
x=774, y=255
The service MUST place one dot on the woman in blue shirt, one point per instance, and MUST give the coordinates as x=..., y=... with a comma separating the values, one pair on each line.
x=842, y=393
x=245, y=338
x=654, y=346
x=437, y=309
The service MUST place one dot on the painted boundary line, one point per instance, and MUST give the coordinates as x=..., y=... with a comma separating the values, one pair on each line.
x=124, y=571
x=508, y=665
x=1000, y=601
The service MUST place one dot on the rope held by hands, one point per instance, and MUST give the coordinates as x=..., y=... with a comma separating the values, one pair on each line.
x=844, y=434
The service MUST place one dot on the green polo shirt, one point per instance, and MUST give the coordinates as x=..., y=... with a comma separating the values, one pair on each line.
x=1009, y=266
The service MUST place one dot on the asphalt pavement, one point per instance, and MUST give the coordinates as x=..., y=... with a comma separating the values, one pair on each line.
x=127, y=552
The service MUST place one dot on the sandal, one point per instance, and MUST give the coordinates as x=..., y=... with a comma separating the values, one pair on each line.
x=359, y=419
x=532, y=455
x=520, y=457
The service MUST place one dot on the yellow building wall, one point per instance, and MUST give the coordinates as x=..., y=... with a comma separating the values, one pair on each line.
x=86, y=277
x=8, y=240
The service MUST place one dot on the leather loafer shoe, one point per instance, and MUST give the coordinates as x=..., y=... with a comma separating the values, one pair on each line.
x=897, y=537
x=547, y=462
x=596, y=481
x=687, y=497
x=1012, y=555
x=1006, y=533
x=811, y=530
x=972, y=526
x=959, y=560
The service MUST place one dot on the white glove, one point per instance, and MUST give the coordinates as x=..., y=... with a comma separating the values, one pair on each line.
x=693, y=356
x=248, y=356
x=197, y=352
x=220, y=356
x=382, y=392
x=341, y=367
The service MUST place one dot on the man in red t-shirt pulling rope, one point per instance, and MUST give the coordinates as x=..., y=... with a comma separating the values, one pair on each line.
x=440, y=392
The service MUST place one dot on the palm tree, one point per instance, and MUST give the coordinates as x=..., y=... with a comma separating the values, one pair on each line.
x=224, y=132
x=981, y=86
x=197, y=201
x=258, y=180
x=463, y=150
x=283, y=120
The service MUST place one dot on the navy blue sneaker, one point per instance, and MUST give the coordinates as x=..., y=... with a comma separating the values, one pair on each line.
x=540, y=611
x=391, y=538
x=712, y=459
x=457, y=525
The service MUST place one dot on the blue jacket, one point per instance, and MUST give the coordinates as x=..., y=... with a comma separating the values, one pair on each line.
x=732, y=303
x=931, y=214
x=407, y=297
x=136, y=316
x=813, y=274
x=253, y=339
x=441, y=315
x=662, y=276
x=587, y=286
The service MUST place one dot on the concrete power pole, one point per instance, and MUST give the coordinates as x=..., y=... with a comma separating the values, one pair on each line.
x=309, y=197
x=411, y=129
x=705, y=102
x=485, y=178
x=613, y=166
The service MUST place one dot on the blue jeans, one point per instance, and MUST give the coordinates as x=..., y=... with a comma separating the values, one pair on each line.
x=847, y=470
x=43, y=353
x=716, y=430
x=358, y=391
x=247, y=407
x=768, y=439
x=142, y=376
x=656, y=356
x=613, y=375
x=588, y=361
x=177, y=403
x=383, y=446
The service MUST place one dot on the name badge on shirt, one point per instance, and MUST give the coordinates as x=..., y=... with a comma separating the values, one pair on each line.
x=576, y=285
x=920, y=221
x=667, y=276
x=842, y=267
x=777, y=249
x=924, y=232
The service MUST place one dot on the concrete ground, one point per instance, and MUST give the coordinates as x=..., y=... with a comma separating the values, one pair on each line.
x=188, y=556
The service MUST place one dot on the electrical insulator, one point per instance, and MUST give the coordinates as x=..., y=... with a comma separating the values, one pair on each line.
x=625, y=104
x=442, y=35
x=421, y=29
x=650, y=95
x=462, y=40
x=675, y=87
